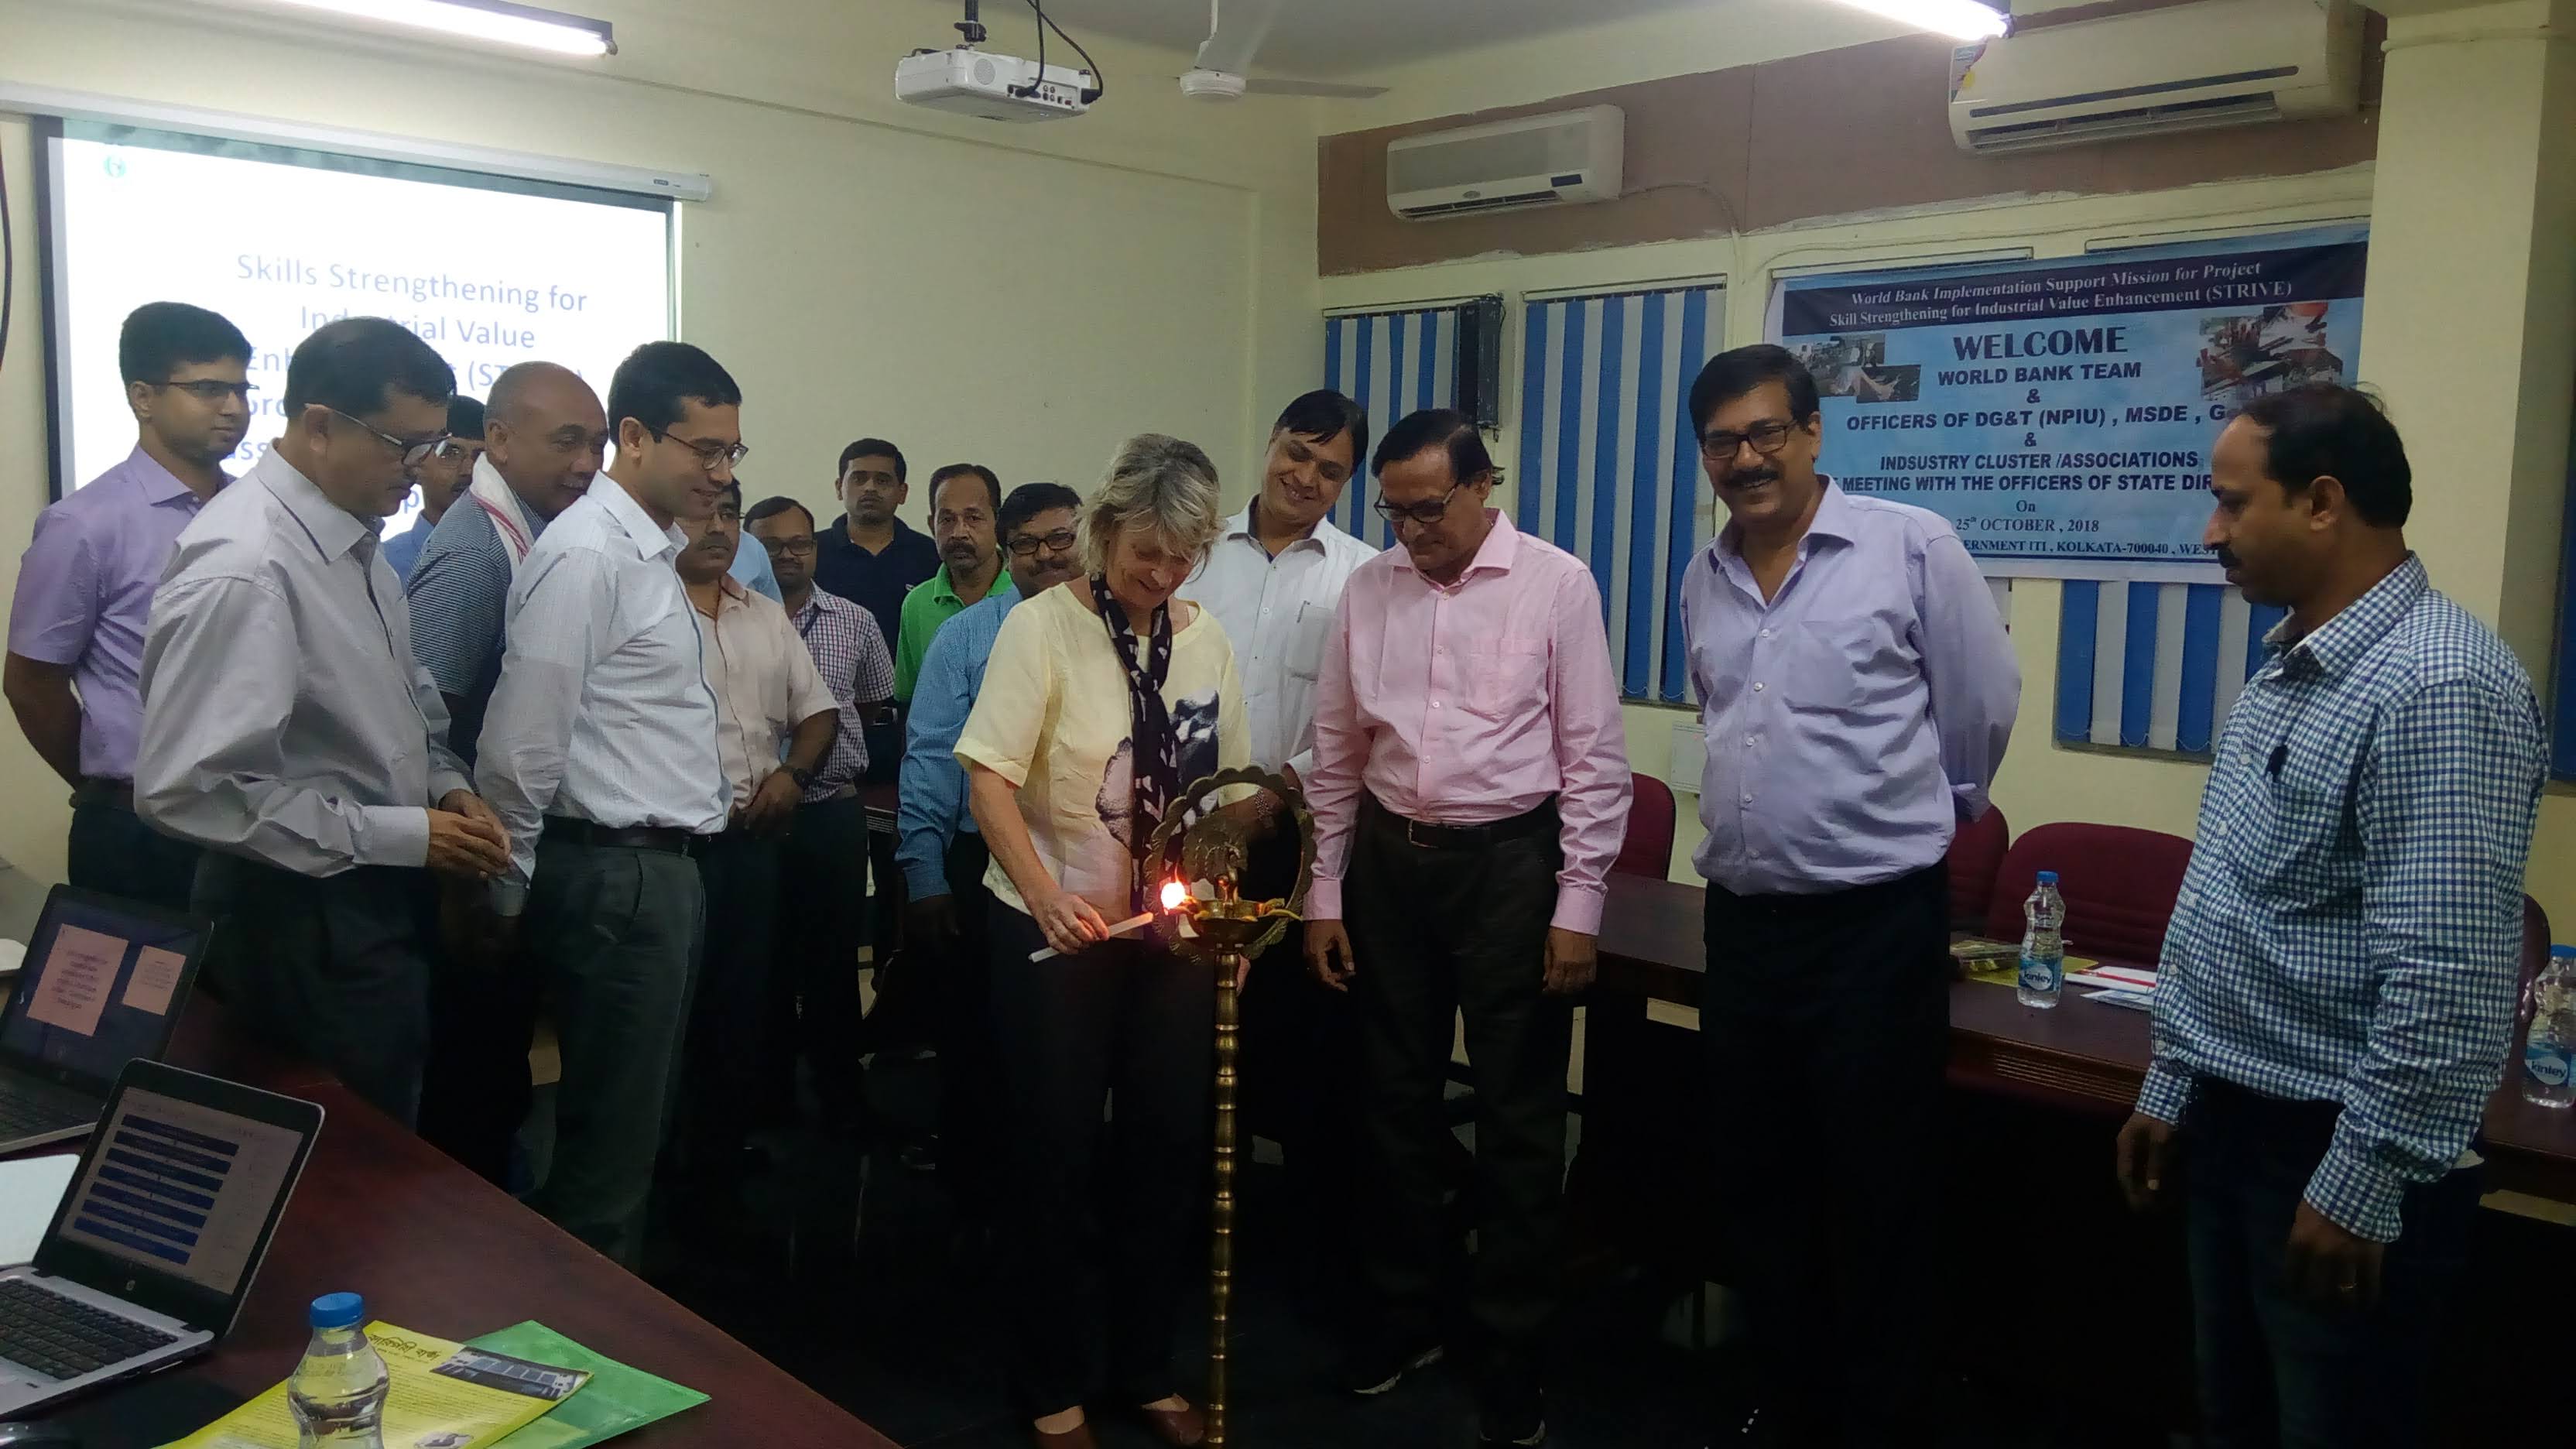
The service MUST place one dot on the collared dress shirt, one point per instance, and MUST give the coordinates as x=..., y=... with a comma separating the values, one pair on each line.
x=930, y=809
x=876, y=582
x=284, y=719
x=1858, y=715
x=1278, y=612
x=603, y=711
x=765, y=684
x=85, y=595
x=1472, y=703
x=459, y=592
x=2350, y=928
x=851, y=655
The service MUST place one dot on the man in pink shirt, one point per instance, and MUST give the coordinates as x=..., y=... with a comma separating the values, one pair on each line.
x=1470, y=785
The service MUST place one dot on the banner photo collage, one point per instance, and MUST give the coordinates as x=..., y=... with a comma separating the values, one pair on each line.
x=2060, y=413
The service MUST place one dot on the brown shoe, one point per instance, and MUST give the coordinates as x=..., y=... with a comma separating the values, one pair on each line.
x=1184, y=1428
x=1077, y=1437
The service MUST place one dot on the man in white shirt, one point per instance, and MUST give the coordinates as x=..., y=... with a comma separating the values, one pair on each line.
x=769, y=698
x=1274, y=580
x=600, y=755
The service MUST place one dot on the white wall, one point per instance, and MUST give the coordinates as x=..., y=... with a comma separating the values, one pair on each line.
x=1021, y=296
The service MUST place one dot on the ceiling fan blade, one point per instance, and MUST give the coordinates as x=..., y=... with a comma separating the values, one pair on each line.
x=1331, y=89
x=1236, y=29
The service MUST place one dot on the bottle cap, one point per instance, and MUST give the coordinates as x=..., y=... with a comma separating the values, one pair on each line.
x=2048, y=877
x=339, y=1310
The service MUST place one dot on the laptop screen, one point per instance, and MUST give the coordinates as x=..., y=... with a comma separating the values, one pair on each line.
x=99, y=988
x=181, y=1188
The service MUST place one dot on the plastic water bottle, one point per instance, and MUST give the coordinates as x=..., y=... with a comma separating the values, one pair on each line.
x=2549, y=1048
x=338, y=1391
x=2043, y=943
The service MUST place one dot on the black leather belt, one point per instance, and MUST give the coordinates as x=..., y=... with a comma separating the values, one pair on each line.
x=99, y=790
x=670, y=840
x=1425, y=835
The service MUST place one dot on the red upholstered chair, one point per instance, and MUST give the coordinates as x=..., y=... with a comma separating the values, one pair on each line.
x=1976, y=853
x=1648, y=851
x=2120, y=886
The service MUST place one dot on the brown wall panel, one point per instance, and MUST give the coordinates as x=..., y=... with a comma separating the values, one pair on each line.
x=1829, y=134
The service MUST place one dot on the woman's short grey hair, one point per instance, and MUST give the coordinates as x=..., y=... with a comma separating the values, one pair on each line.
x=1156, y=484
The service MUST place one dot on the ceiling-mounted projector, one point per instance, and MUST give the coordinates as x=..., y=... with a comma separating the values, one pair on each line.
x=974, y=82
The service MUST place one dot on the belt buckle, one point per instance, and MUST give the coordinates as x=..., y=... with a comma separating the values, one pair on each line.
x=1410, y=838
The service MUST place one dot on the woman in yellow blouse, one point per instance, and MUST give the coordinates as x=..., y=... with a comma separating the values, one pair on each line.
x=1105, y=698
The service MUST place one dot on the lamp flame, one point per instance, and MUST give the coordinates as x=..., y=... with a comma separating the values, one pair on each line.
x=1174, y=894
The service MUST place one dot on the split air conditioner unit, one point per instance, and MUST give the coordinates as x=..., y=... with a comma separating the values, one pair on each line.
x=1551, y=160
x=2180, y=68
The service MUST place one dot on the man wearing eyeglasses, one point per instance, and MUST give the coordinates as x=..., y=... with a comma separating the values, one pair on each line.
x=942, y=855
x=1857, y=689
x=600, y=754
x=443, y=476
x=85, y=591
x=1470, y=789
x=822, y=877
x=287, y=728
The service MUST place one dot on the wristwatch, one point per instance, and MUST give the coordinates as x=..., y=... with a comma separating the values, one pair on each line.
x=803, y=777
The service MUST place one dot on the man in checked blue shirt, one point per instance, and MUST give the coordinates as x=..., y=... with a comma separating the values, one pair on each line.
x=936, y=843
x=2337, y=991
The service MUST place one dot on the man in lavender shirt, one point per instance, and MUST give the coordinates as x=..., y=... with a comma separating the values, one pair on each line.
x=85, y=591
x=1856, y=689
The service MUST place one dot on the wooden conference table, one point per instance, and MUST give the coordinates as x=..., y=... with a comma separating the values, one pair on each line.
x=436, y=1248
x=2082, y=1055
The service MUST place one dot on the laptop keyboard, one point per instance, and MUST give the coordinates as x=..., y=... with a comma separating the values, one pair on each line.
x=64, y=1337
x=23, y=1115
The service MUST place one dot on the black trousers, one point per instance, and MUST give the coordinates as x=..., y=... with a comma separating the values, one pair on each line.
x=1436, y=934
x=1827, y=1023
x=729, y=996
x=813, y=987
x=1095, y=1218
x=969, y=1066
x=1301, y=1080
x=335, y=968
x=475, y=1090
x=113, y=851
x=2275, y=1373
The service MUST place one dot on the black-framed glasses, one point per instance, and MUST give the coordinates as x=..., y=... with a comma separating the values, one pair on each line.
x=1428, y=512
x=413, y=453
x=802, y=545
x=1026, y=545
x=711, y=456
x=1767, y=437
x=207, y=389
x=457, y=450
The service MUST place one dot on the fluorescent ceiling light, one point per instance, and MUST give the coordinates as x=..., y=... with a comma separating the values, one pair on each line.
x=1959, y=19
x=493, y=20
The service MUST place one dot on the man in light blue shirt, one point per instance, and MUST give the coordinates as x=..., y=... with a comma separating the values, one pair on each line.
x=2336, y=997
x=942, y=856
x=443, y=476
x=1856, y=690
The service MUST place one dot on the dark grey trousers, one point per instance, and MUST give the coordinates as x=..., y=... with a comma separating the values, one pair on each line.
x=614, y=930
x=335, y=968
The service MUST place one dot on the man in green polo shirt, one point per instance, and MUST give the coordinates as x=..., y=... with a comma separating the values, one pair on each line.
x=965, y=506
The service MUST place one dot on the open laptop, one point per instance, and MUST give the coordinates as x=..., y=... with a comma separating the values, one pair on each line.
x=104, y=982
x=154, y=1246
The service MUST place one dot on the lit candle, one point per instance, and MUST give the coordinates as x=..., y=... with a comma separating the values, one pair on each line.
x=1121, y=929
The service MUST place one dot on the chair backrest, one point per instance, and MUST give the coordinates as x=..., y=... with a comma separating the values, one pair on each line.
x=1976, y=853
x=2535, y=954
x=1648, y=850
x=2120, y=885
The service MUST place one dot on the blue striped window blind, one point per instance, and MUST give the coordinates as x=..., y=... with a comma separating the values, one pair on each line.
x=2148, y=666
x=1393, y=363
x=1608, y=469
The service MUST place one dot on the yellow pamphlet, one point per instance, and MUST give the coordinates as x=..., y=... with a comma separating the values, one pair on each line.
x=441, y=1395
